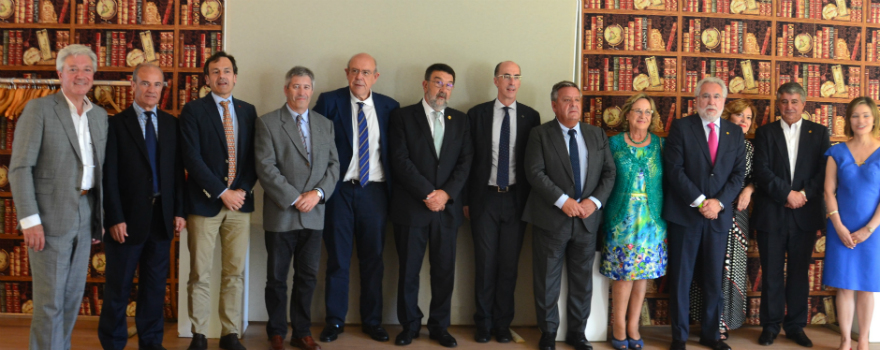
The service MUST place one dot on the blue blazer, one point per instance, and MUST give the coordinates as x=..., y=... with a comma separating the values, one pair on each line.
x=688, y=171
x=336, y=106
x=203, y=143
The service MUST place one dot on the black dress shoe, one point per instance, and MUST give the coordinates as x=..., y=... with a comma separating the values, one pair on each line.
x=767, y=337
x=503, y=335
x=578, y=340
x=444, y=338
x=716, y=344
x=406, y=337
x=483, y=335
x=230, y=342
x=799, y=337
x=331, y=332
x=547, y=342
x=199, y=342
x=678, y=345
x=376, y=332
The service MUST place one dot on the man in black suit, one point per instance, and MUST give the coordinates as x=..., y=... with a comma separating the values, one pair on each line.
x=218, y=152
x=494, y=201
x=704, y=166
x=356, y=214
x=789, y=174
x=143, y=211
x=569, y=165
x=430, y=154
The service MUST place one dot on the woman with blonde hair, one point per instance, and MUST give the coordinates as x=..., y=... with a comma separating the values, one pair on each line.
x=852, y=195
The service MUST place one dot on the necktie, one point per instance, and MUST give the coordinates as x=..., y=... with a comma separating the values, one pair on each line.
x=150, y=139
x=363, y=146
x=230, y=142
x=574, y=156
x=438, y=132
x=713, y=142
x=503, y=171
x=299, y=122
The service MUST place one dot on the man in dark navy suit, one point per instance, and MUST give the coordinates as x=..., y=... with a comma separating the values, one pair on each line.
x=143, y=211
x=218, y=152
x=704, y=166
x=356, y=214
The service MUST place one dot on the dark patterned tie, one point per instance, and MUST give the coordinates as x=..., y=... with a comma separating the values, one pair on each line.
x=363, y=146
x=150, y=139
x=574, y=156
x=503, y=174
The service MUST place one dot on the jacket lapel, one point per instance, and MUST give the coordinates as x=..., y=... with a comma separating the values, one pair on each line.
x=422, y=123
x=345, y=116
x=292, y=131
x=450, y=125
x=243, y=132
x=62, y=111
x=779, y=138
x=697, y=129
x=803, y=140
x=592, y=160
x=488, y=115
x=134, y=128
x=216, y=120
x=558, y=142
x=315, y=129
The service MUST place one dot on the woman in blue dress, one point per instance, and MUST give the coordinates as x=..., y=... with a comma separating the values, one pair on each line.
x=852, y=195
x=635, y=235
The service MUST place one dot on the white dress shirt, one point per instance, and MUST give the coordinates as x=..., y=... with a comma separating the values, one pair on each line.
x=84, y=143
x=497, y=119
x=717, y=123
x=583, y=157
x=377, y=174
x=429, y=113
x=792, y=139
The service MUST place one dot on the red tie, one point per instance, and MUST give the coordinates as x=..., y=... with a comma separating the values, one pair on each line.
x=713, y=142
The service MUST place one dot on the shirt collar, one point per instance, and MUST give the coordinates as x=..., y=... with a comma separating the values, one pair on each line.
x=368, y=101
x=788, y=128
x=140, y=111
x=429, y=109
x=87, y=105
x=717, y=123
x=565, y=129
x=499, y=106
x=294, y=114
x=218, y=99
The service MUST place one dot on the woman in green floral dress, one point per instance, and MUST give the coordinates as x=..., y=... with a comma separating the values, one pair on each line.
x=635, y=234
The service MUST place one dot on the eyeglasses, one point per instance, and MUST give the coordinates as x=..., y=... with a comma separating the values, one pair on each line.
x=440, y=84
x=509, y=77
x=355, y=72
x=641, y=112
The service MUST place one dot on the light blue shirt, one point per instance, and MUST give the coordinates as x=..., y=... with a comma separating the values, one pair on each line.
x=583, y=155
x=217, y=100
x=142, y=119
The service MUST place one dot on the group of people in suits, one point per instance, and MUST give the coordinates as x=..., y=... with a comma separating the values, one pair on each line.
x=80, y=178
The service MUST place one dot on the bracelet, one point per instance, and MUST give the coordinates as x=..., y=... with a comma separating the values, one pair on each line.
x=831, y=214
x=870, y=229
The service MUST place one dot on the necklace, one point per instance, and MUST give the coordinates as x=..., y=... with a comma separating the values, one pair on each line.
x=634, y=141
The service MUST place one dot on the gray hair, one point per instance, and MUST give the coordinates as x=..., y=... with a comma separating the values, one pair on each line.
x=75, y=50
x=375, y=63
x=791, y=88
x=299, y=71
x=554, y=93
x=711, y=80
x=146, y=65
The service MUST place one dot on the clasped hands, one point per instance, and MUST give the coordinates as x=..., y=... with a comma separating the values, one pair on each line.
x=710, y=208
x=436, y=200
x=233, y=199
x=307, y=201
x=795, y=200
x=582, y=210
x=851, y=239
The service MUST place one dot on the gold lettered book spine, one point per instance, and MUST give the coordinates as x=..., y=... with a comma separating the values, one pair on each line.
x=653, y=72
x=149, y=49
x=43, y=42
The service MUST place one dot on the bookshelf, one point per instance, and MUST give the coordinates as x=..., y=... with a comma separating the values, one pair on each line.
x=663, y=47
x=177, y=35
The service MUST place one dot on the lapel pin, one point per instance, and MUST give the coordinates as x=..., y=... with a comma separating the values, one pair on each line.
x=449, y=117
x=727, y=133
x=810, y=132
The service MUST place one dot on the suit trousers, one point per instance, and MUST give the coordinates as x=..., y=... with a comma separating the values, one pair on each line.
x=696, y=250
x=777, y=292
x=233, y=228
x=577, y=248
x=355, y=216
x=411, y=244
x=498, y=238
x=152, y=258
x=304, y=247
x=59, y=279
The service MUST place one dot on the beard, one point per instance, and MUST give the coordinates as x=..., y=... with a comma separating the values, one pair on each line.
x=435, y=101
x=708, y=115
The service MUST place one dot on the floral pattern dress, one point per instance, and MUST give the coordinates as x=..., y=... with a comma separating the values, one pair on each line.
x=635, y=235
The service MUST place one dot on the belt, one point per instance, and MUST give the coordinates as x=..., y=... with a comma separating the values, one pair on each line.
x=358, y=182
x=84, y=192
x=501, y=189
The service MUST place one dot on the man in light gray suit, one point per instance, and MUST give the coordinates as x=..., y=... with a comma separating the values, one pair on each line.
x=569, y=165
x=55, y=175
x=298, y=167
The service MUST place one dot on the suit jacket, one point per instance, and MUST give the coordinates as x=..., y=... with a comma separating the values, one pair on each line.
x=418, y=171
x=772, y=176
x=548, y=168
x=46, y=167
x=205, y=155
x=285, y=173
x=481, y=117
x=128, y=178
x=688, y=171
x=336, y=106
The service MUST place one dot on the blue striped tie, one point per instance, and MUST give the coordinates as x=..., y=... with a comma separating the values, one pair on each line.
x=363, y=146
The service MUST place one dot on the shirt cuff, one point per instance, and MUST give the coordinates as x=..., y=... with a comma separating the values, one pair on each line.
x=596, y=200
x=221, y=193
x=698, y=201
x=30, y=221
x=561, y=201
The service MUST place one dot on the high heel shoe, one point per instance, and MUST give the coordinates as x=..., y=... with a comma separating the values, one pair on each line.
x=619, y=344
x=635, y=344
